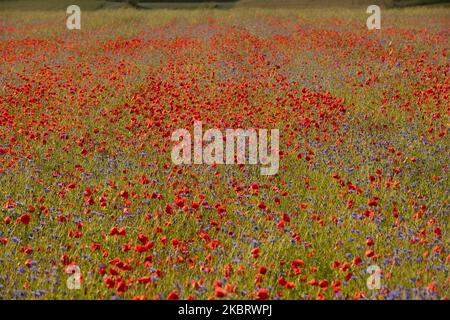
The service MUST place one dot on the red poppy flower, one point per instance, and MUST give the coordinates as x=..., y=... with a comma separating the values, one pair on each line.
x=173, y=296
x=370, y=253
x=281, y=281
x=255, y=252
x=121, y=287
x=262, y=294
x=296, y=263
x=142, y=238
x=262, y=205
x=144, y=280
x=109, y=282
x=357, y=261
x=262, y=270
x=323, y=284
x=168, y=209
x=220, y=292
x=24, y=219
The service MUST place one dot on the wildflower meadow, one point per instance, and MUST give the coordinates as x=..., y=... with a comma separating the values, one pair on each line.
x=92, y=205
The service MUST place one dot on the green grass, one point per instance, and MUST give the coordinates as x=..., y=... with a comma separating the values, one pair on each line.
x=320, y=58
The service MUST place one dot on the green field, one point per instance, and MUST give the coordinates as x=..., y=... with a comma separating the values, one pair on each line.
x=86, y=177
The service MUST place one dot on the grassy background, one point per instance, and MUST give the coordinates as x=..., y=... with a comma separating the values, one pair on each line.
x=403, y=27
x=226, y=4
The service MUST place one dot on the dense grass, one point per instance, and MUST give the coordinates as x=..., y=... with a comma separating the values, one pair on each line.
x=363, y=116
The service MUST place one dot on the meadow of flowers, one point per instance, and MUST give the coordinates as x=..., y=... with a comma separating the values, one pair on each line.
x=86, y=177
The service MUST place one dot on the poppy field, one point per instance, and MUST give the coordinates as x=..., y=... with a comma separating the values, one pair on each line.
x=89, y=194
